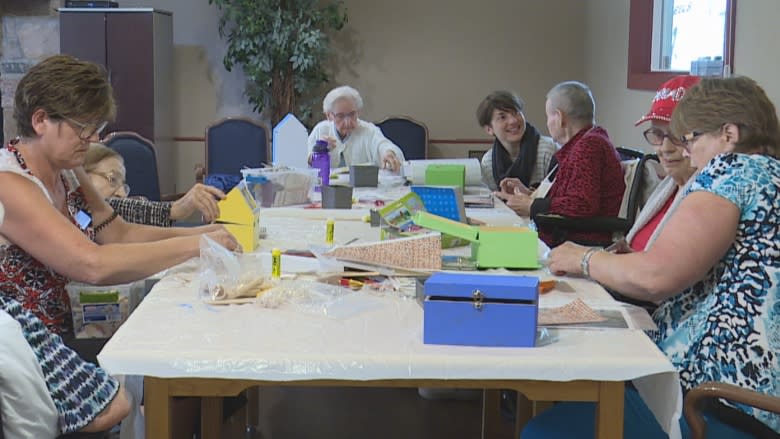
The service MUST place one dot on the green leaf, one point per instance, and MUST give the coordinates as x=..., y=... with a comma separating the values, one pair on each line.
x=267, y=37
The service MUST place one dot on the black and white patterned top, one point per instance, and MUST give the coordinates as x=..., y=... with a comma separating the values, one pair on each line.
x=141, y=211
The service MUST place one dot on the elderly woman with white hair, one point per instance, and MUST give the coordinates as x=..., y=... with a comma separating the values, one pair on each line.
x=353, y=141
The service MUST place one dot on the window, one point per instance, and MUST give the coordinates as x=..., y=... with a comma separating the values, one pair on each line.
x=665, y=36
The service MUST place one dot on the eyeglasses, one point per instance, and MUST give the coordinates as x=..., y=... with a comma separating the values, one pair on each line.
x=352, y=115
x=655, y=136
x=88, y=130
x=114, y=182
x=688, y=139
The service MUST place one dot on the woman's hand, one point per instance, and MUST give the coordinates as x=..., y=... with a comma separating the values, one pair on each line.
x=566, y=259
x=513, y=186
x=225, y=239
x=520, y=203
x=200, y=197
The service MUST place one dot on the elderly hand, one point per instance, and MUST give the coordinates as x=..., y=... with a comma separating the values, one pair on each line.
x=513, y=186
x=225, y=239
x=332, y=142
x=566, y=259
x=390, y=161
x=520, y=203
x=200, y=197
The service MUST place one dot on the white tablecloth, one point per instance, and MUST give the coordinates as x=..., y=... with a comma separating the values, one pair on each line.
x=173, y=335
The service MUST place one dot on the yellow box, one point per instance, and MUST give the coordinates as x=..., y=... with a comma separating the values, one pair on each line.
x=239, y=214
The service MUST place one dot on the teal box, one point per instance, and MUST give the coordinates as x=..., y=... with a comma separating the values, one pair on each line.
x=445, y=175
x=480, y=310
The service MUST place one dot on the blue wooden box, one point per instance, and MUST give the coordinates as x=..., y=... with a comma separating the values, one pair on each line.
x=480, y=310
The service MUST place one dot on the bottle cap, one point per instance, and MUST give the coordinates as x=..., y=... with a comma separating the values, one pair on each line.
x=320, y=146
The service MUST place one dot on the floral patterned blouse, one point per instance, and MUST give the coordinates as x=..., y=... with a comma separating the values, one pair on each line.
x=726, y=327
x=23, y=278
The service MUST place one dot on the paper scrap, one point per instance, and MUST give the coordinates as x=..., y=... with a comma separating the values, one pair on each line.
x=421, y=252
x=575, y=311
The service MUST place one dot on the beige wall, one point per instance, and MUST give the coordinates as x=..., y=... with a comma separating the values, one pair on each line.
x=436, y=60
x=606, y=68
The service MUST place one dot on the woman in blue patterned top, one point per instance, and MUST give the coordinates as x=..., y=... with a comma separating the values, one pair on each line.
x=715, y=268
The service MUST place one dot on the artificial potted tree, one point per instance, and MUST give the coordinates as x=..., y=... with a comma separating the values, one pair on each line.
x=283, y=48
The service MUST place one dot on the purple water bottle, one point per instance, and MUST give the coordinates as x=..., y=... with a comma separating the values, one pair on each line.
x=320, y=159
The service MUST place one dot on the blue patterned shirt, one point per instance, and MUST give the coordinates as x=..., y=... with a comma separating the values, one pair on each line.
x=725, y=328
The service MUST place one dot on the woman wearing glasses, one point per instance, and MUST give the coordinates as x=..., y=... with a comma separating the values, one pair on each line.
x=715, y=267
x=57, y=227
x=106, y=170
x=676, y=164
x=352, y=140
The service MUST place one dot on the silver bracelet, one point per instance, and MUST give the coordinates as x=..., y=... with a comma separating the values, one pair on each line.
x=585, y=262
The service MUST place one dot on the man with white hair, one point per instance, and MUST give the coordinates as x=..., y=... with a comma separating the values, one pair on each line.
x=352, y=141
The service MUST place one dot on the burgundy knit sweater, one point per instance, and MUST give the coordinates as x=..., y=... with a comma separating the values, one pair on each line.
x=589, y=183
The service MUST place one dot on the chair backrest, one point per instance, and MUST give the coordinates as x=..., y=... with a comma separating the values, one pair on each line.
x=706, y=396
x=140, y=160
x=234, y=143
x=629, y=153
x=641, y=178
x=409, y=134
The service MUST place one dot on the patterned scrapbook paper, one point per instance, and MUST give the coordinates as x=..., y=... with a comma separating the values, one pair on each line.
x=575, y=311
x=413, y=253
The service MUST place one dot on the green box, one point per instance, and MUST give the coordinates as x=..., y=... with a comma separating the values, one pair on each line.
x=445, y=175
x=507, y=247
x=491, y=247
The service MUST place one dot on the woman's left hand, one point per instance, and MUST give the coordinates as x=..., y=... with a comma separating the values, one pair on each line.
x=566, y=259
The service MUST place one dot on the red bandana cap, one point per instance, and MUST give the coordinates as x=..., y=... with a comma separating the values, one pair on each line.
x=667, y=97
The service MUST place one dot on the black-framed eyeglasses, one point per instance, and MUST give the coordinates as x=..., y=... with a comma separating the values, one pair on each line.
x=688, y=139
x=88, y=130
x=655, y=136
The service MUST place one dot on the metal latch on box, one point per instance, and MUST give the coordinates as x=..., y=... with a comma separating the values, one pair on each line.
x=478, y=299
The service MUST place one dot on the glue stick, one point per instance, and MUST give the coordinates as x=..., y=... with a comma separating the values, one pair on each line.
x=276, y=263
x=329, y=226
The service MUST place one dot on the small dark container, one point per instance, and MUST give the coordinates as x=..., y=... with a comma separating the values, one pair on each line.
x=363, y=175
x=337, y=197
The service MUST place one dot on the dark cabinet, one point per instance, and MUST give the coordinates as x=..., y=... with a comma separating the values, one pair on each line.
x=136, y=47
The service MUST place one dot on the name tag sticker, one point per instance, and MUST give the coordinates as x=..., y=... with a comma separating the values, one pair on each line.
x=83, y=219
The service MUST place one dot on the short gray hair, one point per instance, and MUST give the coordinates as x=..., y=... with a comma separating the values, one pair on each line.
x=342, y=92
x=575, y=100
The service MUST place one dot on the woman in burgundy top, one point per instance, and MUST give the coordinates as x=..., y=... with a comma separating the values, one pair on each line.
x=589, y=179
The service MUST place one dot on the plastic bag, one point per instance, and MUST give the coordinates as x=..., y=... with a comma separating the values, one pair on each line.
x=316, y=298
x=227, y=275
